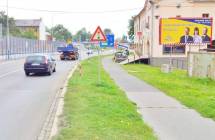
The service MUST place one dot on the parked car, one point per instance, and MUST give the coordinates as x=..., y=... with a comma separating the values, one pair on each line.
x=120, y=56
x=39, y=64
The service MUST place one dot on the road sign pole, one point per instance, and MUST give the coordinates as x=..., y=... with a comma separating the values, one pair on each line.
x=99, y=64
x=98, y=37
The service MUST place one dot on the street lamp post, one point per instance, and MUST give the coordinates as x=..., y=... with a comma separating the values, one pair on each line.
x=8, y=39
x=52, y=33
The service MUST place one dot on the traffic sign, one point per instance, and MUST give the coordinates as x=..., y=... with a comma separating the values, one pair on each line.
x=109, y=42
x=98, y=35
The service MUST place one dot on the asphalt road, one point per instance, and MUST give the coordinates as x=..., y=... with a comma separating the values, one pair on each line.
x=25, y=101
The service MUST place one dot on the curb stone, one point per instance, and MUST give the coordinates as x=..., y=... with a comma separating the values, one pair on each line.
x=50, y=126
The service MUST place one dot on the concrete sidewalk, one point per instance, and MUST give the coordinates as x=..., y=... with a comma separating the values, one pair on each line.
x=169, y=119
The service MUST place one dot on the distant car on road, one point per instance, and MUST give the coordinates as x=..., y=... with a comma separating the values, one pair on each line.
x=120, y=56
x=39, y=64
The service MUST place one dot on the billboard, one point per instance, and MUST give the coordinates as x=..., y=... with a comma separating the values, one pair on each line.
x=186, y=30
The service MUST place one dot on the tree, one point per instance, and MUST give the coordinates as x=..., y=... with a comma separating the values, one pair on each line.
x=82, y=35
x=12, y=26
x=107, y=31
x=124, y=39
x=29, y=34
x=60, y=33
x=131, y=29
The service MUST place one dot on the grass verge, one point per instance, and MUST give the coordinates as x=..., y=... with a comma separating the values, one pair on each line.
x=195, y=93
x=93, y=112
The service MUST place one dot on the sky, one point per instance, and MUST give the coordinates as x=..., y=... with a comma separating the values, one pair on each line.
x=86, y=13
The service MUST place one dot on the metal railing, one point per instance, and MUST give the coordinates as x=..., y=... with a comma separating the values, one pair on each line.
x=179, y=63
x=20, y=47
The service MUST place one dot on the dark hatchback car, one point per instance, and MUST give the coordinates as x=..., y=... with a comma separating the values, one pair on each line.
x=39, y=64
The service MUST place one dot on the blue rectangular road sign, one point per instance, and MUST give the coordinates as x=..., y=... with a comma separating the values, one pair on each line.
x=109, y=42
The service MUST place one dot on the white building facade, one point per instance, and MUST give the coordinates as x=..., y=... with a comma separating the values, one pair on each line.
x=148, y=22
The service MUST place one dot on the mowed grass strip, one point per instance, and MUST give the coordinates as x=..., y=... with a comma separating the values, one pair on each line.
x=93, y=112
x=195, y=93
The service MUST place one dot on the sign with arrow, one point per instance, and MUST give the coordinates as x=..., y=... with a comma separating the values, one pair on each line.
x=109, y=42
x=98, y=35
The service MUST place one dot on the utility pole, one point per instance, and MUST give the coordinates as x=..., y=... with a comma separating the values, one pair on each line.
x=8, y=35
x=52, y=33
x=0, y=30
x=138, y=41
x=1, y=34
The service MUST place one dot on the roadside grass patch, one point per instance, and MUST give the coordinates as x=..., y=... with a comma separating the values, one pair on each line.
x=93, y=112
x=195, y=93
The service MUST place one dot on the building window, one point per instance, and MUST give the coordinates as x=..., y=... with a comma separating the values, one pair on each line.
x=176, y=49
x=205, y=15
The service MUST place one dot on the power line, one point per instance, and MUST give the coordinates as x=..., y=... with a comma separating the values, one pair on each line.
x=74, y=12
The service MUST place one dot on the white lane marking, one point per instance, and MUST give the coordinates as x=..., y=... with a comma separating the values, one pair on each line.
x=9, y=73
x=4, y=63
x=10, y=62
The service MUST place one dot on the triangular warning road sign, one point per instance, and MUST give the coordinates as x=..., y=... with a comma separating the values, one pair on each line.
x=98, y=35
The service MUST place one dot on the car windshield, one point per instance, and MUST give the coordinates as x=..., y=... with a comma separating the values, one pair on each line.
x=35, y=59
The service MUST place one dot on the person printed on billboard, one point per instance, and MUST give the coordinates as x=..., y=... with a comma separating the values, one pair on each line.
x=186, y=38
x=205, y=37
x=196, y=37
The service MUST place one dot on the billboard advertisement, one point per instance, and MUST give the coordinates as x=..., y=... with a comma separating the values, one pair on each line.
x=186, y=30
